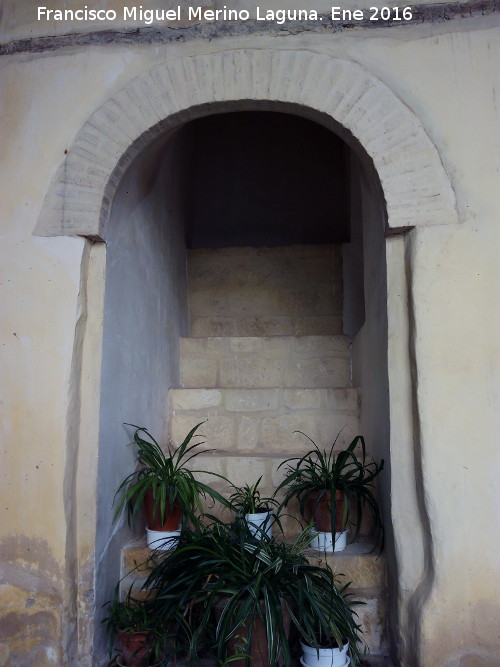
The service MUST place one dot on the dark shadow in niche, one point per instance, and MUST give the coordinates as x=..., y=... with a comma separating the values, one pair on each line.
x=261, y=178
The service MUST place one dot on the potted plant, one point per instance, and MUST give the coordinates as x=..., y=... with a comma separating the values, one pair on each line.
x=327, y=485
x=254, y=590
x=165, y=486
x=255, y=510
x=332, y=656
x=322, y=648
x=131, y=623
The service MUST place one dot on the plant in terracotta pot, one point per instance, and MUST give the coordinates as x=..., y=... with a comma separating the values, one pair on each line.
x=163, y=484
x=255, y=510
x=247, y=595
x=132, y=624
x=328, y=484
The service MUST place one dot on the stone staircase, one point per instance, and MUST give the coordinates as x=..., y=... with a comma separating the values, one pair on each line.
x=264, y=395
x=267, y=359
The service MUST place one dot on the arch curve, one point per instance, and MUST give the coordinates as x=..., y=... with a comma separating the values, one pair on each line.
x=416, y=187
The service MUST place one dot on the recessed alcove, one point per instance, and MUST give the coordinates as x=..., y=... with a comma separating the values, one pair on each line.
x=252, y=178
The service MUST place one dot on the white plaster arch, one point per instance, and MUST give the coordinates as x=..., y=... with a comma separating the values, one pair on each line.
x=416, y=187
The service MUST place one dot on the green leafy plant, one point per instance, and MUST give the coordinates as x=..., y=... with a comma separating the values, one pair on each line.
x=247, y=499
x=165, y=474
x=319, y=474
x=218, y=567
x=130, y=617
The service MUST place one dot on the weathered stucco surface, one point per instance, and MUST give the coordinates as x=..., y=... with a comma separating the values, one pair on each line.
x=19, y=20
x=449, y=80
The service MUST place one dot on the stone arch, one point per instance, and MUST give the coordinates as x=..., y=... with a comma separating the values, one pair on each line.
x=416, y=187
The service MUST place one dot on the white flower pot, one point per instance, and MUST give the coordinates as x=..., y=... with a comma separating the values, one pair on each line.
x=260, y=523
x=325, y=664
x=324, y=542
x=163, y=540
x=328, y=657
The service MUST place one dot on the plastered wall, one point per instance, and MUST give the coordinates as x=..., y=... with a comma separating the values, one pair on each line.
x=40, y=312
x=366, y=270
x=145, y=313
x=20, y=21
x=448, y=76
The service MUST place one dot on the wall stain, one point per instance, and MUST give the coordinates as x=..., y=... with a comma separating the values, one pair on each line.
x=31, y=550
x=31, y=588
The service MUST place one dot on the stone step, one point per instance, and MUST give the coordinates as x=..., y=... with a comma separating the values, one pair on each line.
x=366, y=570
x=273, y=313
x=258, y=362
x=281, y=266
x=372, y=660
x=368, y=660
x=251, y=432
x=358, y=563
x=265, y=291
x=265, y=420
x=224, y=470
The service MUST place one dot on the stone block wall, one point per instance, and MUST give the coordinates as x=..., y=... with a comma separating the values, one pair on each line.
x=280, y=361
x=265, y=420
x=294, y=290
x=266, y=362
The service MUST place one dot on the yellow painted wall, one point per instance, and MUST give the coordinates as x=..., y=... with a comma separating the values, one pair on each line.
x=448, y=76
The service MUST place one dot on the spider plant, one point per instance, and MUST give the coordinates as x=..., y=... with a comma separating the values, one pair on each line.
x=247, y=499
x=248, y=503
x=316, y=476
x=132, y=623
x=164, y=475
x=219, y=568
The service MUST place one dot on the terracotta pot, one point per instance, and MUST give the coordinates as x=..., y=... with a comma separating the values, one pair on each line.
x=134, y=648
x=322, y=514
x=121, y=662
x=172, y=516
x=258, y=648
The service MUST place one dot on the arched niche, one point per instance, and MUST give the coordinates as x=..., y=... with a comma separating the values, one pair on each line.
x=345, y=98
